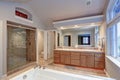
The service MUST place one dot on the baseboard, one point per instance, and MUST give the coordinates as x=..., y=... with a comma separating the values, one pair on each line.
x=106, y=73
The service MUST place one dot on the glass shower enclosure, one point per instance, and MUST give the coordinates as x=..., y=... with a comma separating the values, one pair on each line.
x=21, y=47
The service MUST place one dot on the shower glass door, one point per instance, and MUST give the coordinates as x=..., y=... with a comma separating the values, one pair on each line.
x=20, y=47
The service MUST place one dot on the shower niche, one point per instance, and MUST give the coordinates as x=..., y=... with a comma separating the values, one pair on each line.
x=21, y=46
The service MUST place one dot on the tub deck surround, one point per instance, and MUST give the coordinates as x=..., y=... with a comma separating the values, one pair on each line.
x=80, y=57
x=50, y=74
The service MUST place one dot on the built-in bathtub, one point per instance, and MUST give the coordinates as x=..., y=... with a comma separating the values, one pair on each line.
x=49, y=74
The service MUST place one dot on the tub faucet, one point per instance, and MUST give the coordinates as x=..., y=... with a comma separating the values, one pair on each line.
x=44, y=67
x=24, y=77
x=37, y=65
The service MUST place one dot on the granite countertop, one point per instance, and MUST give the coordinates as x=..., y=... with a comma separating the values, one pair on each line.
x=80, y=50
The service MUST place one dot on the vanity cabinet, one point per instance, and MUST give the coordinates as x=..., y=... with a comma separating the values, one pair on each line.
x=87, y=60
x=100, y=61
x=75, y=58
x=82, y=59
x=57, y=56
x=65, y=57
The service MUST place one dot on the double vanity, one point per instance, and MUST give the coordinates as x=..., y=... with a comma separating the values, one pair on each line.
x=82, y=47
x=80, y=57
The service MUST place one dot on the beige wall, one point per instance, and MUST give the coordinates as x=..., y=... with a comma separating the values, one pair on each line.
x=41, y=41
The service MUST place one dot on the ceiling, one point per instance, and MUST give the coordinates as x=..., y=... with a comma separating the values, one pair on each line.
x=49, y=11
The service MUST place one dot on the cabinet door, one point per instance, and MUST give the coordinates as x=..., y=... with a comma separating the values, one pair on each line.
x=90, y=61
x=56, y=54
x=62, y=59
x=56, y=60
x=83, y=60
x=75, y=62
x=100, y=57
x=67, y=58
x=99, y=64
x=75, y=55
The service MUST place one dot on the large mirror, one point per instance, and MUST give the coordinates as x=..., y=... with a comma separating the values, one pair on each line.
x=78, y=37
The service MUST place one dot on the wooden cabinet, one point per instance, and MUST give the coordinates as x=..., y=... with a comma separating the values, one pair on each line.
x=87, y=60
x=90, y=60
x=100, y=61
x=65, y=57
x=75, y=58
x=56, y=56
x=82, y=59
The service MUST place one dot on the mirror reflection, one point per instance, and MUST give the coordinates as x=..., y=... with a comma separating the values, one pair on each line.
x=78, y=37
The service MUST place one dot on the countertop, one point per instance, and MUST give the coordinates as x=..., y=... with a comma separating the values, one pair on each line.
x=80, y=50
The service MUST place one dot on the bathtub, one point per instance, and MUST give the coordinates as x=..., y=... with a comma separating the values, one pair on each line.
x=49, y=74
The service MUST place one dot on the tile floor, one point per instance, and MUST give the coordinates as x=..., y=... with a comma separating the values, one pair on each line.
x=75, y=70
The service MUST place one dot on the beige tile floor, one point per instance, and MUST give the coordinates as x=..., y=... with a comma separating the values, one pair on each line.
x=75, y=70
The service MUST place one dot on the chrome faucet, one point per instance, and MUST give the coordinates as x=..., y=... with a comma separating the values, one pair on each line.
x=44, y=67
x=37, y=65
x=24, y=77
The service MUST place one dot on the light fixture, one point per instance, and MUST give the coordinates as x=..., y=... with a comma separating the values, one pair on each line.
x=93, y=24
x=76, y=26
x=61, y=28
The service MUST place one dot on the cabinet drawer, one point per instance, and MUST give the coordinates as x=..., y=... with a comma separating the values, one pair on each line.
x=75, y=55
x=86, y=54
x=56, y=51
x=99, y=65
x=75, y=62
x=56, y=54
x=64, y=52
x=99, y=57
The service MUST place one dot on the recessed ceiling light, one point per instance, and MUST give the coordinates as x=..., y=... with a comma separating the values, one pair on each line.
x=93, y=24
x=76, y=26
x=61, y=28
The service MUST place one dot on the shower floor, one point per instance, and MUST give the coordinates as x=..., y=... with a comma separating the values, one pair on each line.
x=13, y=62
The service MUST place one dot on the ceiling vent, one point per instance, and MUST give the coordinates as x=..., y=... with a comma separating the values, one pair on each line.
x=88, y=2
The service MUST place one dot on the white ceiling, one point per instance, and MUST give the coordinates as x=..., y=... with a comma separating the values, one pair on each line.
x=55, y=10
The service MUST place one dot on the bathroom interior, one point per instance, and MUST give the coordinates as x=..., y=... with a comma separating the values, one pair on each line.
x=60, y=40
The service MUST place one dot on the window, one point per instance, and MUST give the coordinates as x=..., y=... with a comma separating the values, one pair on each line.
x=114, y=40
x=84, y=39
x=114, y=10
x=113, y=30
x=118, y=39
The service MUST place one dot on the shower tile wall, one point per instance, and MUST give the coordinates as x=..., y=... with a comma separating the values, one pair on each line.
x=16, y=48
